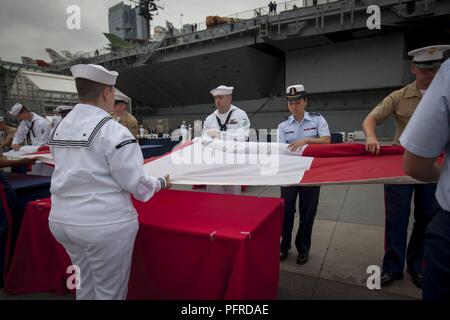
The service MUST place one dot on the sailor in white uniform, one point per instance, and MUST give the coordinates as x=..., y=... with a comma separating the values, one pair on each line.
x=98, y=164
x=62, y=112
x=56, y=117
x=33, y=129
x=228, y=122
x=141, y=131
x=184, y=132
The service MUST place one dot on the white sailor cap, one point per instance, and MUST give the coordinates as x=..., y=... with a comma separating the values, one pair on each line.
x=64, y=108
x=222, y=91
x=120, y=97
x=2, y=119
x=429, y=57
x=295, y=92
x=95, y=73
x=15, y=110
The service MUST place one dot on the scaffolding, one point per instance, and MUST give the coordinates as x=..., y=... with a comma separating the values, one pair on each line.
x=43, y=92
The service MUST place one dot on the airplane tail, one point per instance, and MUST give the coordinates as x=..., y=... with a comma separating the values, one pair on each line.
x=55, y=56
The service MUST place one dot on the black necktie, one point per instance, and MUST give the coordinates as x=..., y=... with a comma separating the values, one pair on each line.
x=223, y=127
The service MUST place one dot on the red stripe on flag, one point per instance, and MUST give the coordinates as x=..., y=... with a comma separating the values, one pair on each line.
x=350, y=169
x=345, y=150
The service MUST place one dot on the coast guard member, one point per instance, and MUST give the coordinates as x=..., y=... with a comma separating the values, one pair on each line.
x=300, y=129
x=98, y=164
x=228, y=122
x=425, y=138
x=33, y=129
x=402, y=104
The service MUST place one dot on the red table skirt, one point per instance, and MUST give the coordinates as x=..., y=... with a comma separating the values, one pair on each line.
x=189, y=246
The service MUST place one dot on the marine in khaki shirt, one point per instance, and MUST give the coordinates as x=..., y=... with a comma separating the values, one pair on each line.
x=401, y=104
x=125, y=118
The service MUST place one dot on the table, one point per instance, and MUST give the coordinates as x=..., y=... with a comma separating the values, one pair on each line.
x=167, y=143
x=29, y=187
x=189, y=246
x=149, y=151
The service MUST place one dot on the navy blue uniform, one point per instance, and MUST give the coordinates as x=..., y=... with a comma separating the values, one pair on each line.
x=398, y=207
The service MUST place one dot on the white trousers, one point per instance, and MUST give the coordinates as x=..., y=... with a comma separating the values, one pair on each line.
x=224, y=189
x=102, y=254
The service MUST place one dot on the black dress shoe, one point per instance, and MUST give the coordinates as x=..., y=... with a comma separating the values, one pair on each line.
x=283, y=255
x=302, y=258
x=417, y=278
x=389, y=277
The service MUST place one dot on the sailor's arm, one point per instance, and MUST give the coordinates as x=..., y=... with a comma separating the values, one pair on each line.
x=20, y=135
x=369, y=127
x=376, y=117
x=126, y=166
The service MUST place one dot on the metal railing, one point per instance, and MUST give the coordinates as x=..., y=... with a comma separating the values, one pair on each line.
x=281, y=7
x=264, y=11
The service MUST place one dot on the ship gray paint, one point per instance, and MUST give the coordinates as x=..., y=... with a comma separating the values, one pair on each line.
x=346, y=68
x=344, y=85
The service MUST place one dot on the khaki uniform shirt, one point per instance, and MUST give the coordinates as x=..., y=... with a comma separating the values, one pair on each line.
x=402, y=104
x=8, y=134
x=130, y=122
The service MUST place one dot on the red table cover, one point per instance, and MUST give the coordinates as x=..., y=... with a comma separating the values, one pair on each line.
x=189, y=246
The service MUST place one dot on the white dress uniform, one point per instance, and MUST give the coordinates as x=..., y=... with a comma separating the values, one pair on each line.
x=98, y=164
x=35, y=133
x=37, y=130
x=56, y=120
x=184, y=132
x=233, y=125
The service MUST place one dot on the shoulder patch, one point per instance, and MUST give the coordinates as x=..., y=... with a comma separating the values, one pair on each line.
x=125, y=143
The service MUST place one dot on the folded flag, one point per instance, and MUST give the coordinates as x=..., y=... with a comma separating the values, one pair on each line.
x=249, y=163
x=205, y=161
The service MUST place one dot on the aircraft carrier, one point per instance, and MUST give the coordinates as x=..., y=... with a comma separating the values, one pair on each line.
x=326, y=45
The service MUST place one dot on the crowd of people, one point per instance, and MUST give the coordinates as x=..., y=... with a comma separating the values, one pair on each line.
x=103, y=155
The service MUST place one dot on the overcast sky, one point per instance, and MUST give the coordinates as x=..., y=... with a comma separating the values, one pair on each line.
x=27, y=27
